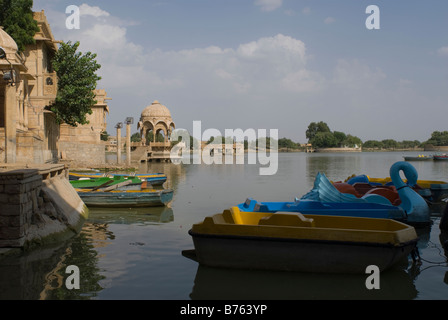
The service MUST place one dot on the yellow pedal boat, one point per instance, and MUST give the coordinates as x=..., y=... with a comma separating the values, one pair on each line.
x=296, y=242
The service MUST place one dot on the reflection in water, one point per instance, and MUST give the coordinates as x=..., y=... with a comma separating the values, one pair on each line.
x=397, y=283
x=150, y=215
x=217, y=283
x=40, y=274
x=136, y=253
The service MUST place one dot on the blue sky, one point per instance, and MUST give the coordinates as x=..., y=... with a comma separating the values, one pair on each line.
x=270, y=64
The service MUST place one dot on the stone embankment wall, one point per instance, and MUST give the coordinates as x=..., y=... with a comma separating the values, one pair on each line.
x=436, y=148
x=38, y=206
x=88, y=153
x=323, y=150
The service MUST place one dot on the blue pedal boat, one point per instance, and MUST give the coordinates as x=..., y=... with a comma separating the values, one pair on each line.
x=325, y=199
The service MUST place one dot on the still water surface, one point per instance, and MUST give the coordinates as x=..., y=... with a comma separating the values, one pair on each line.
x=136, y=253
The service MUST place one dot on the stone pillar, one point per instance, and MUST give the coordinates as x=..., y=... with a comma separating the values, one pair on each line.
x=10, y=124
x=128, y=143
x=118, y=144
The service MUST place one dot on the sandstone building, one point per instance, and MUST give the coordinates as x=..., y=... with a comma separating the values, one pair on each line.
x=156, y=127
x=28, y=132
x=83, y=143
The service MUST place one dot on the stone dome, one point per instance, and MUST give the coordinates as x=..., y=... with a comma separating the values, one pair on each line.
x=7, y=43
x=156, y=110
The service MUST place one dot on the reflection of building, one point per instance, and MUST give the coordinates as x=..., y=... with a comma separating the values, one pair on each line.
x=234, y=148
x=83, y=143
x=156, y=126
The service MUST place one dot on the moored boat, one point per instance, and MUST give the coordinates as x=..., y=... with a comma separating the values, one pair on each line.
x=85, y=175
x=106, y=183
x=420, y=157
x=432, y=190
x=126, y=198
x=348, y=209
x=297, y=242
x=441, y=157
x=326, y=199
x=155, y=179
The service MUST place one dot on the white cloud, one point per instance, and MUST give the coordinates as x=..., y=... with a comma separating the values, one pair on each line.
x=268, y=5
x=329, y=20
x=355, y=74
x=290, y=12
x=443, y=51
x=303, y=81
x=280, y=46
x=306, y=10
x=85, y=9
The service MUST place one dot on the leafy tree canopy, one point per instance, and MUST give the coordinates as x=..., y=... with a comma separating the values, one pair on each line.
x=314, y=128
x=324, y=140
x=77, y=80
x=438, y=138
x=320, y=136
x=16, y=17
x=104, y=136
x=136, y=137
x=287, y=143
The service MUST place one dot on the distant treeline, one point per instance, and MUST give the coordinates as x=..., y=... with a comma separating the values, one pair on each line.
x=320, y=136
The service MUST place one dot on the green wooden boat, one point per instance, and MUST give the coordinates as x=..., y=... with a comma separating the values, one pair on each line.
x=126, y=198
x=156, y=179
x=108, y=183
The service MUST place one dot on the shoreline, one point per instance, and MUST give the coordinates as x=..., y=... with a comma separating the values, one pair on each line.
x=111, y=166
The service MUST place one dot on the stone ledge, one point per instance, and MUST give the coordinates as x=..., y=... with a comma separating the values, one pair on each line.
x=38, y=205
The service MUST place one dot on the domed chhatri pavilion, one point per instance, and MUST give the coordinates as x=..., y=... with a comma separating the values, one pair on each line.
x=155, y=118
x=156, y=127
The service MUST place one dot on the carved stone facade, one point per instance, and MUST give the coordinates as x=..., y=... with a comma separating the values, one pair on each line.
x=83, y=143
x=28, y=132
x=156, y=126
x=155, y=118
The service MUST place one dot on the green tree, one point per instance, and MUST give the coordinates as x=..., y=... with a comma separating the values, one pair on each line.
x=77, y=80
x=390, y=144
x=150, y=137
x=266, y=141
x=324, y=140
x=340, y=137
x=352, y=141
x=135, y=137
x=316, y=127
x=17, y=19
x=438, y=138
x=373, y=144
x=409, y=144
x=104, y=135
x=287, y=143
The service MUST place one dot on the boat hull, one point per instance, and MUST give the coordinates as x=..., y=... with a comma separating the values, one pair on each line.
x=126, y=199
x=418, y=158
x=298, y=255
x=156, y=179
x=349, y=209
x=303, y=243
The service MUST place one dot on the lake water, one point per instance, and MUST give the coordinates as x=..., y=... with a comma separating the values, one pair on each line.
x=136, y=253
